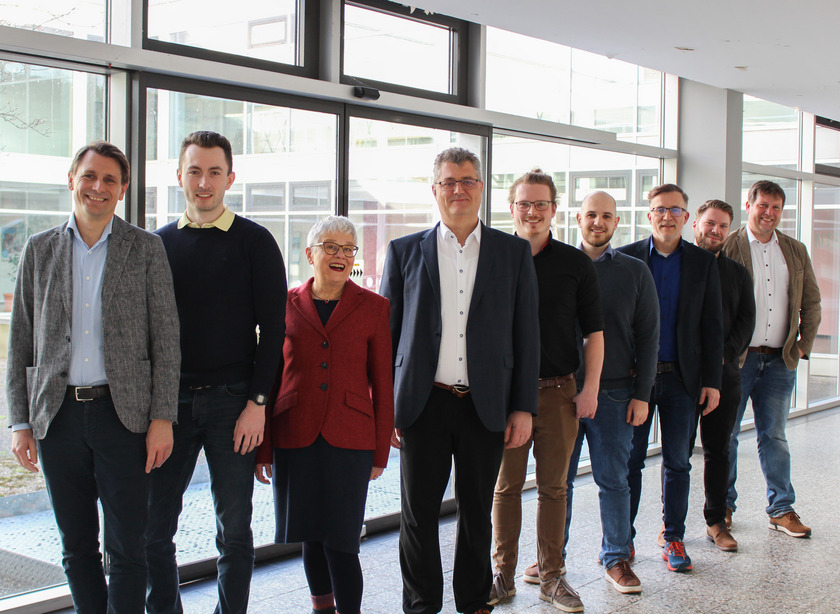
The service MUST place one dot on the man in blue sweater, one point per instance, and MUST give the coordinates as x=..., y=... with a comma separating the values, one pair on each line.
x=229, y=279
x=631, y=340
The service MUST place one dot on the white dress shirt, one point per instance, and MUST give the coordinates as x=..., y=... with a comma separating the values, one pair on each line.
x=770, y=285
x=457, y=265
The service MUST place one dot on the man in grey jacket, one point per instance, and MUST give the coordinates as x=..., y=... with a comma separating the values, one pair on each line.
x=92, y=378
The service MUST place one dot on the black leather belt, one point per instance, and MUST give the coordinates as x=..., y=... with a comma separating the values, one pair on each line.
x=456, y=389
x=666, y=367
x=763, y=349
x=556, y=382
x=88, y=393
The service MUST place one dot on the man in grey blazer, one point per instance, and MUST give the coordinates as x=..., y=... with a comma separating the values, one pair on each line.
x=465, y=332
x=92, y=378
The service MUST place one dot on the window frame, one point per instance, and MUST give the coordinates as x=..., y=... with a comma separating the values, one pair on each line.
x=459, y=58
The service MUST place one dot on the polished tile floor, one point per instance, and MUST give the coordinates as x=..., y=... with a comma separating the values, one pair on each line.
x=770, y=573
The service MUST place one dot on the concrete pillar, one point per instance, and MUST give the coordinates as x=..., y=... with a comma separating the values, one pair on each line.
x=710, y=135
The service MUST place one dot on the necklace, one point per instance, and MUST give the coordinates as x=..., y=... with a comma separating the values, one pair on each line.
x=326, y=300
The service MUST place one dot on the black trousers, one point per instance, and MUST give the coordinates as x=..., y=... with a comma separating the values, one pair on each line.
x=448, y=428
x=715, y=432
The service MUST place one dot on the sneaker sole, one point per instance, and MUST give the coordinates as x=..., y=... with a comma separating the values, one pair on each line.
x=623, y=589
x=510, y=594
x=777, y=527
x=560, y=606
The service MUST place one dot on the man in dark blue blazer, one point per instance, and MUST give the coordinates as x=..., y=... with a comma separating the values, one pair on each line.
x=465, y=331
x=690, y=360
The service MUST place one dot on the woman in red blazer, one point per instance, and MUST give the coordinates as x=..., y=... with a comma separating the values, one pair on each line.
x=330, y=418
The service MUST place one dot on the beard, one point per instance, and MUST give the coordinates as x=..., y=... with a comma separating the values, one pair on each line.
x=709, y=245
x=596, y=241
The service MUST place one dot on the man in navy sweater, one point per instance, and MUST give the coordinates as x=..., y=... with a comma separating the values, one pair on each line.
x=631, y=340
x=229, y=279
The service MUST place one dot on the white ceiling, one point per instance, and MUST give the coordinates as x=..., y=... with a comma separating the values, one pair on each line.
x=779, y=50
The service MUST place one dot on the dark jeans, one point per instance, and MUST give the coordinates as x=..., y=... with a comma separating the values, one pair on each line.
x=769, y=383
x=206, y=418
x=715, y=433
x=678, y=424
x=88, y=454
x=447, y=428
x=609, y=437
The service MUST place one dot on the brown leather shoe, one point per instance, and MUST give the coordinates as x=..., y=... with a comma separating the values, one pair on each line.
x=720, y=535
x=660, y=539
x=789, y=523
x=728, y=518
x=623, y=579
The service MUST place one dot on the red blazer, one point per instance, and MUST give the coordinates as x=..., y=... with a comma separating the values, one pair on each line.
x=336, y=382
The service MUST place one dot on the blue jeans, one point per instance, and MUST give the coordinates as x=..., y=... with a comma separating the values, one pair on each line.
x=610, y=437
x=206, y=418
x=678, y=424
x=88, y=454
x=766, y=380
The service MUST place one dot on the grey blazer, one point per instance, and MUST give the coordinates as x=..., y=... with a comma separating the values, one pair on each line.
x=139, y=327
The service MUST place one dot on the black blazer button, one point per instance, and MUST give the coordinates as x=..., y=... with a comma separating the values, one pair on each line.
x=325, y=344
x=324, y=386
x=324, y=365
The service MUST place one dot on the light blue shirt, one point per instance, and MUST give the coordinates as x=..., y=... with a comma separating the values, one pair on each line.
x=87, y=356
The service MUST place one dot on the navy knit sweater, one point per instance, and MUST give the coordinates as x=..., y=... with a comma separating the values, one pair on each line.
x=227, y=284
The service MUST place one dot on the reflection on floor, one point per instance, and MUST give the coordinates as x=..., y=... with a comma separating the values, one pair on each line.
x=770, y=573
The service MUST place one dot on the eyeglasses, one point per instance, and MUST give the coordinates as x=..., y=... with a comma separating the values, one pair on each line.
x=331, y=249
x=539, y=205
x=675, y=211
x=449, y=184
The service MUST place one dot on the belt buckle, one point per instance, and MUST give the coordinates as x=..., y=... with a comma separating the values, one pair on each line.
x=76, y=393
x=460, y=389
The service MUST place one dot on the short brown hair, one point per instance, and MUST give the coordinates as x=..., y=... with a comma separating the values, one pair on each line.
x=715, y=204
x=768, y=188
x=456, y=156
x=664, y=189
x=534, y=177
x=208, y=140
x=103, y=148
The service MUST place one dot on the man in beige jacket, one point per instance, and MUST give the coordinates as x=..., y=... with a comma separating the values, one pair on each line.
x=787, y=318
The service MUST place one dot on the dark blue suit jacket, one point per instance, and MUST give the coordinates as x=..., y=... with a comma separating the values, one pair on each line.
x=503, y=328
x=699, y=319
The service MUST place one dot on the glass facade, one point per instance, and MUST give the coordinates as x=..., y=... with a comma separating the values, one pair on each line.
x=575, y=87
x=303, y=149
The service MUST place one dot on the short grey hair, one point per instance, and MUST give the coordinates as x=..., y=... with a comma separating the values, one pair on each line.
x=331, y=223
x=457, y=156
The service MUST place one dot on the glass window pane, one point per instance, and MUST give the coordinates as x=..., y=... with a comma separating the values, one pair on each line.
x=397, y=50
x=575, y=87
x=84, y=19
x=583, y=170
x=254, y=29
x=823, y=365
x=827, y=146
x=284, y=160
x=771, y=133
x=46, y=114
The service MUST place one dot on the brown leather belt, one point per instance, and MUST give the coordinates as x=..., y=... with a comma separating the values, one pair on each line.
x=666, y=367
x=457, y=389
x=88, y=393
x=556, y=382
x=763, y=349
